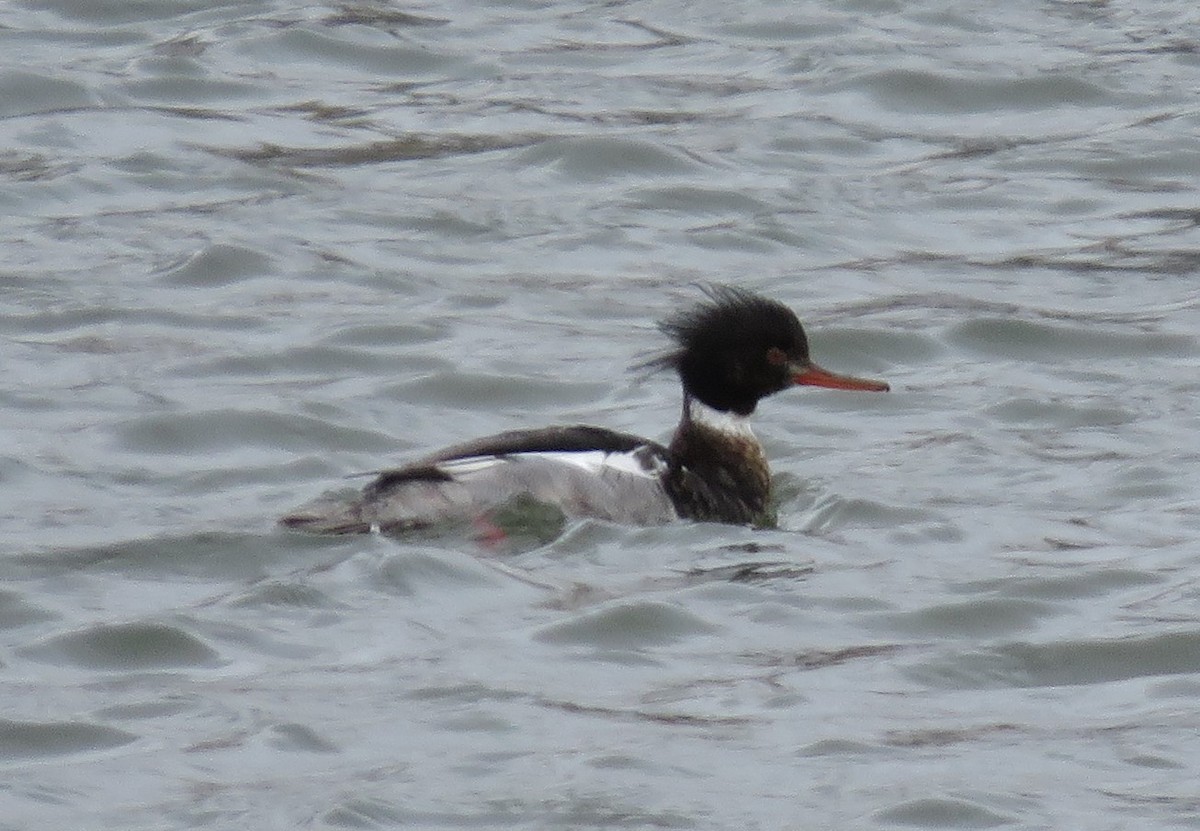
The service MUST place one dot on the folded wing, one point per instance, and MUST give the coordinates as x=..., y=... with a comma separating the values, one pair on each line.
x=583, y=471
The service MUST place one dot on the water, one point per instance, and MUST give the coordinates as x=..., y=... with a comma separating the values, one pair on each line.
x=252, y=247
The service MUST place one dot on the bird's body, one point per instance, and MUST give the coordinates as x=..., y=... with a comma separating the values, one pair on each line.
x=729, y=352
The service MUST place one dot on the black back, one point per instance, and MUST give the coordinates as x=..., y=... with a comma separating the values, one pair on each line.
x=570, y=438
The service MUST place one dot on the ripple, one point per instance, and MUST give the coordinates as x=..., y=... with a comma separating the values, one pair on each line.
x=1092, y=584
x=15, y=611
x=834, y=512
x=73, y=316
x=874, y=348
x=1026, y=340
x=907, y=90
x=261, y=643
x=405, y=148
x=694, y=200
x=25, y=93
x=596, y=158
x=1061, y=413
x=840, y=748
x=336, y=47
x=176, y=90
x=417, y=573
x=304, y=360
x=32, y=739
x=628, y=626
x=227, y=429
x=972, y=619
x=299, y=738
x=363, y=812
x=215, y=556
x=934, y=812
x=115, y=12
x=286, y=594
x=470, y=390
x=1066, y=663
x=218, y=265
x=127, y=646
x=405, y=333
x=145, y=710
x=1148, y=482
x=33, y=167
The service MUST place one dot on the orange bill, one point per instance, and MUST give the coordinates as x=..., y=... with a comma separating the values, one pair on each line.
x=812, y=375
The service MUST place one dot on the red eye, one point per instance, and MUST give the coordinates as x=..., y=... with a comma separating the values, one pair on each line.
x=776, y=356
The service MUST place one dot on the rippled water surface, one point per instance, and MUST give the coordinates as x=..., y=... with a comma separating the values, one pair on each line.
x=252, y=247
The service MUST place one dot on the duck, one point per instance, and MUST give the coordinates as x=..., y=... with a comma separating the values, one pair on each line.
x=730, y=350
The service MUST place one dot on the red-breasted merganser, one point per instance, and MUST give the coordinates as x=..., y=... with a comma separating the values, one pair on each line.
x=730, y=351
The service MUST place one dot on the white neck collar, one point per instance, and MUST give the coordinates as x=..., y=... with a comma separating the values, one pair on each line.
x=729, y=424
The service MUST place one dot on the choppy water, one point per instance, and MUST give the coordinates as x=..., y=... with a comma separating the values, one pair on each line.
x=250, y=247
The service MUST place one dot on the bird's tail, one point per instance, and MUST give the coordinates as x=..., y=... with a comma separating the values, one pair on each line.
x=332, y=513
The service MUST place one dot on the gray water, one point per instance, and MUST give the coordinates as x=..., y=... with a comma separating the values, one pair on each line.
x=250, y=248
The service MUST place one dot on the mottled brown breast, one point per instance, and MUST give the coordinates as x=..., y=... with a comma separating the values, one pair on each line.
x=718, y=476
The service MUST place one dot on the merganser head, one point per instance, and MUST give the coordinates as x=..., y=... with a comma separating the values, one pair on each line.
x=739, y=347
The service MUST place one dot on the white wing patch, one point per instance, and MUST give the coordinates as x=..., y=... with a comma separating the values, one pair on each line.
x=594, y=462
x=463, y=468
x=622, y=487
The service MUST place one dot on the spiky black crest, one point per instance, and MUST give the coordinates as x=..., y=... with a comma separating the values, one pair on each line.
x=734, y=318
x=721, y=347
